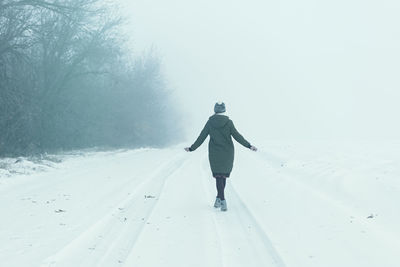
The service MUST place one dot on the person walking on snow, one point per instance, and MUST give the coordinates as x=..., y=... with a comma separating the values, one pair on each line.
x=220, y=149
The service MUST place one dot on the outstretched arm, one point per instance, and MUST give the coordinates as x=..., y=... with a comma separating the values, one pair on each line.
x=239, y=138
x=203, y=135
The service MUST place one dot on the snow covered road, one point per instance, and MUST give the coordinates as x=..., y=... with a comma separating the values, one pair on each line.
x=287, y=206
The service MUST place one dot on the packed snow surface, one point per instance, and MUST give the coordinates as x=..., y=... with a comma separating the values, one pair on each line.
x=295, y=205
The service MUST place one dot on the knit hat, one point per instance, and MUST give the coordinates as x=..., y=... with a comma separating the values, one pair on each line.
x=219, y=107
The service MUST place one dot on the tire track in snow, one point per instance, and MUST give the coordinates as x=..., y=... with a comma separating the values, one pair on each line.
x=162, y=175
x=181, y=230
x=290, y=175
x=238, y=225
x=217, y=230
x=106, y=234
x=258, y=228
x=132, y=241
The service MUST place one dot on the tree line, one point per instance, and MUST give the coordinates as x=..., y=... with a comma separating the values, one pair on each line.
x=67, y=82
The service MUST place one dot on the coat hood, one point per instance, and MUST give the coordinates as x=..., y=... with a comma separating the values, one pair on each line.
x=218, y=121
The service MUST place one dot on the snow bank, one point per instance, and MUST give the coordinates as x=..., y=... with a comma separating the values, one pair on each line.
x=26, y=166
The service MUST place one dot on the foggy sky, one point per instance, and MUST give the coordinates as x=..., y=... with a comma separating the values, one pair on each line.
x=285, y=69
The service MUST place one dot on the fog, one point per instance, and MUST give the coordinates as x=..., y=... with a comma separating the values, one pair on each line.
x=69, y=80
x=111, y=74
x=287, y=69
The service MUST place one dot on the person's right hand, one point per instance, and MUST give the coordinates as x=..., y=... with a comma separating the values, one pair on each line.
x=187, y=149
x=253, y=148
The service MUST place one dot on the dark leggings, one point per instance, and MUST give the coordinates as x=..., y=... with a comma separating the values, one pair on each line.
x=220, y=187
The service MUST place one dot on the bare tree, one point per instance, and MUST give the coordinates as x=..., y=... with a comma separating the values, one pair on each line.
x=66, y=82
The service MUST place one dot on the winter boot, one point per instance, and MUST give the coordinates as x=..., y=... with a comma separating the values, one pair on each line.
x=224, y=207
x=217, y=203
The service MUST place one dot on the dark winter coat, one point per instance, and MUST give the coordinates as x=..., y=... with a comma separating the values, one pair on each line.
x=220, y=148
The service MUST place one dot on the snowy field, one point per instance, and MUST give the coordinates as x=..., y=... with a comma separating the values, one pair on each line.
x=294, y=205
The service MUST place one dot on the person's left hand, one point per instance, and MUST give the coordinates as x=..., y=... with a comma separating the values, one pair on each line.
x=187, y=149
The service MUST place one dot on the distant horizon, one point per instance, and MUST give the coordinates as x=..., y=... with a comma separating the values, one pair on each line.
x=309, y=70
